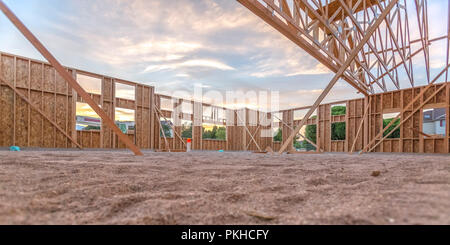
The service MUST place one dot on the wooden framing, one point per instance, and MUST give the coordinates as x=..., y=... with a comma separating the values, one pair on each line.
x=37, y=81
x=67, y=77
x=340, y=72
x=38, y=99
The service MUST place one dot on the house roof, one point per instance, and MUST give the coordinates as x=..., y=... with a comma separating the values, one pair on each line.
x=434, y=115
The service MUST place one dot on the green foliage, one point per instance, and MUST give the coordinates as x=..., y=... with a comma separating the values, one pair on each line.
x=338, y=110
x=338, y=131
x=278, y=136
x=186, y=132
x=219, y=133
x=396, y=133
x=89, y=128
x=311, y=133
x=167, y=130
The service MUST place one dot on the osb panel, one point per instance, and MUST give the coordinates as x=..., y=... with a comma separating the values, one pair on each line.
x=21, y=121
x=416, y=145
x=439, y=146
x=36, y=119
x=429, y=145
x=120, y=144
x=407, y=97
x=49, y=110
x=61, y=84
x=22, y=73
x=7, y=68
x=49, y=79
x=36, y=76
x=337, y=145
x=416, y=93
x=70, y=119
x=7, y=116
x=214, y=145
x=387, y=101
x=89, y=139
x=397, y=99
x=396, y=145
x=408, y=145
x=95, y=143
x=391, y=145
x=61, y=120
x=377, y=101
x=407, y=125
x=387, y=145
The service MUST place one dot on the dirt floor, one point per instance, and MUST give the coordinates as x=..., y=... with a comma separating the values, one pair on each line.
x=102, y=187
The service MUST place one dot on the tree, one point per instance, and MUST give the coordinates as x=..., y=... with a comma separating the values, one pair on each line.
x=396, y=133
x=219, y=133
x=186, y=132
x=167, y=130
x=338, y=131
x=311, y=133
x=278, y=136
x=338, y=110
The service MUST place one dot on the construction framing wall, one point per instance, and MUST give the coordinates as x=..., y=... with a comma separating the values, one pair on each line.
x=40, y=84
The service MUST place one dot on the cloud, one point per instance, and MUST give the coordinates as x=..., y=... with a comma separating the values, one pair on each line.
x=173, y=44
x=189, y=63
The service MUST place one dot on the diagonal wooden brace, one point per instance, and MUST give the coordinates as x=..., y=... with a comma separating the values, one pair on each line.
x=40, y=112
x=340, y=72
x=68, y=78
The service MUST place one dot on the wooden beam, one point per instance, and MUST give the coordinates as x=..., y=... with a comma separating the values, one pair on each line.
x=248, y=131
x=406, y=118
x=291, y=33
x=40, y=112
x=422, y=92
x=308, y=140
x=67, y=77
x=339, y=73
x=256, y=131
x=174, y=131
x=162, y=131
x=366, y=111
x=420, y=132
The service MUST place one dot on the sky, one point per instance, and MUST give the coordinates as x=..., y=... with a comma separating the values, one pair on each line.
x=174, y=44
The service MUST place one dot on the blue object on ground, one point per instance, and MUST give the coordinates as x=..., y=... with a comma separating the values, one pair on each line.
x=221, y=151
x=14, y=148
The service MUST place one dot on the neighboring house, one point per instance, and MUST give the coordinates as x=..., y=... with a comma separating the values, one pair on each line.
x=434, y=121
x=84, y=122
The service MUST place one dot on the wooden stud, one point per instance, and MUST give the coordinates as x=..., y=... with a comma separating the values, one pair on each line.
x=69, y=79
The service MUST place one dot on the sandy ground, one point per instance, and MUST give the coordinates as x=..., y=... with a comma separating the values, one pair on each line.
x=102, y=187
